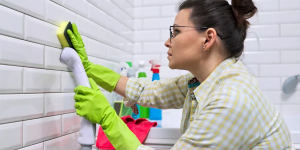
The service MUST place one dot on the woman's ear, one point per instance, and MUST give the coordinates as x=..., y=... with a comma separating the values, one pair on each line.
x=210, y=35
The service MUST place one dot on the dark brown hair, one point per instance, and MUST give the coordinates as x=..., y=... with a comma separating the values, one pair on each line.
x=228, y=20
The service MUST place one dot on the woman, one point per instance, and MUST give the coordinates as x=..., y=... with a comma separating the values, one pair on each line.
x=223, y=107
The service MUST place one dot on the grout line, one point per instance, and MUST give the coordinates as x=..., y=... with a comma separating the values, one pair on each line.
x=55, y=47
x=61, y=125
x=23, y=80
x=22, y=134
x=45, y=7
x=44, y=55
x=23, y=12
x=88, y=17
x=24, y=26
x=44, y=105
x=132, y=5
x=121, y=8
x=75, y=14
x=61, y=81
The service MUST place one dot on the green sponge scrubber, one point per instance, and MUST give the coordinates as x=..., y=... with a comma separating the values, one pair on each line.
x=63, y=35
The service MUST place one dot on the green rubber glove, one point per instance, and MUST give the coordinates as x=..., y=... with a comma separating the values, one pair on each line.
x=104, y=77
x=92, y=105
x=78, y=44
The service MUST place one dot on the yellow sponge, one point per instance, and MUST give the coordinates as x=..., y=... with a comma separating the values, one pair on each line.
x=63, y=35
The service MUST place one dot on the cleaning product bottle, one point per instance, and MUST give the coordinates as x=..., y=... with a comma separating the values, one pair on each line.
x=119, y=106
x=155, y=114
x=131, y=73
x=142, y=73
x=124, y=71
x=144, y=111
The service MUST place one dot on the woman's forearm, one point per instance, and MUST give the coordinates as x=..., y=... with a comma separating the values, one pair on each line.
x=121, y=86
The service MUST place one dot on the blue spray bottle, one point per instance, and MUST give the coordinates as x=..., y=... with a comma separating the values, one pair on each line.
x=155, y=114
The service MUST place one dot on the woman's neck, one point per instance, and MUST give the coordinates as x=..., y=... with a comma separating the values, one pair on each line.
x=203, y=69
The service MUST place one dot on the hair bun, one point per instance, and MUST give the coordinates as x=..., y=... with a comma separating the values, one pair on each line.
x=243, y=9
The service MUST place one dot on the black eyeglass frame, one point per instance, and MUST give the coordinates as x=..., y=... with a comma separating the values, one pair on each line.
x=171, y=34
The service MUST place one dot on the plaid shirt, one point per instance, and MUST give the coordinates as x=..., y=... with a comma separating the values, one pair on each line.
x=226, y=111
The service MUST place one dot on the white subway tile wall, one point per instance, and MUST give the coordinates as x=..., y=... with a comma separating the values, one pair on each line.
x=78, y=6
x=38, y=31
x=70, y=123
x=58, y=103
x=11, y=135
x=67, y=82
x=37, y=130
x=39, y=146
x=40, y=80
x=36, y=90
x=51, y=62
x=64, y=142
x=32, y=7
x=272, y=49
x=24, y=104
x=21, y=53
x=77, y=145
x=11, y=79
x=56, y=14
x=289, y=5
x=13, y=24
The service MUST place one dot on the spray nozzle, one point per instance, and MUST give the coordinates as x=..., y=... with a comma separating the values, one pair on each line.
x=141, y=64
x=122, y=68
x=155, y=66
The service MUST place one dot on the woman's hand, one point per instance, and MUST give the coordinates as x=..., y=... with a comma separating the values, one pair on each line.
x=92, y=105
x=78, y=44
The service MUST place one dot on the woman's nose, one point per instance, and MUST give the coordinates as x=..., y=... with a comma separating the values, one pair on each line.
x=167, y=43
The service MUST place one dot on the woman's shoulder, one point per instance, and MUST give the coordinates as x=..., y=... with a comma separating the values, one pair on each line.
x=238, y=79
x=238, y=75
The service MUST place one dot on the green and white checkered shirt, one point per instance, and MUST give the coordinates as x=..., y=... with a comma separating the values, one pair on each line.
x=226, y=111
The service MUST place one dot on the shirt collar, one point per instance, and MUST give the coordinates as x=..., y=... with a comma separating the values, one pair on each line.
x=192, y=83
x=210, y=81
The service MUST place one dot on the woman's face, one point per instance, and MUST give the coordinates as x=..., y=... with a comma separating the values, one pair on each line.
x=186, y=46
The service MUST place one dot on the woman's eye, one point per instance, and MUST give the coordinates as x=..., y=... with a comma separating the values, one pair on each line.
x=176, y=31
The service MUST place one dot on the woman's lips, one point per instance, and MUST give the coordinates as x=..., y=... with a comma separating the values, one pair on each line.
x=169, y=54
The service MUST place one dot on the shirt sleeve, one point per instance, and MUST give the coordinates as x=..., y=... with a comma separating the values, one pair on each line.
x=163, y=94
x=221, y=124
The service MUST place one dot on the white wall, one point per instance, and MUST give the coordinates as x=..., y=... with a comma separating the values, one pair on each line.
x=272, y=49
x=36, y=90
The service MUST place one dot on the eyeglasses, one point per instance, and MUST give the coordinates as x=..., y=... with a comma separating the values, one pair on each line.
x=172, y=29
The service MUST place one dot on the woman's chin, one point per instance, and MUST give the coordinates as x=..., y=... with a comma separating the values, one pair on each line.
x=172, y=66
x=176, y=66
